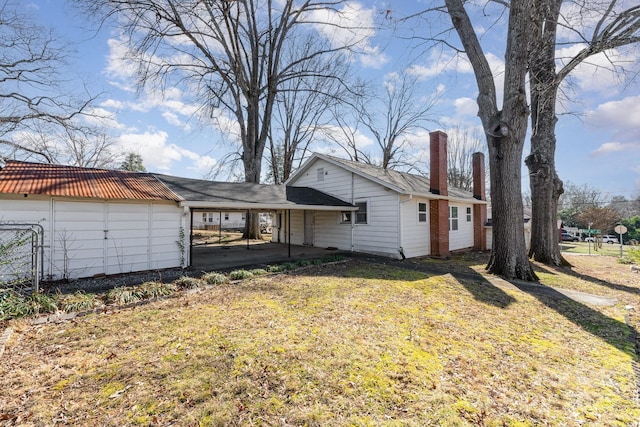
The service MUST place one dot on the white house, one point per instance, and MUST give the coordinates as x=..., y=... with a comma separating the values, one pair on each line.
x=97, y=222
x=399, y=214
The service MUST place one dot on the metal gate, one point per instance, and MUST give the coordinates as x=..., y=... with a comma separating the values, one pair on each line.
x=21, y=252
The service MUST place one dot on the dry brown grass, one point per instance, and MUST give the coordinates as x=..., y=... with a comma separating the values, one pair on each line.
x=348, y=344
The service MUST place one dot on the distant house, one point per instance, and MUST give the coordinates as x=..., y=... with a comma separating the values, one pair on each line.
x=399, y=214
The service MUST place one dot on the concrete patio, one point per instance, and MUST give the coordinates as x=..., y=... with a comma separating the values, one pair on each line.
x=225, y=257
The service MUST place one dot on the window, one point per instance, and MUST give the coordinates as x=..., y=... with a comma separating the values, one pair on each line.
x=320, y=174
x=226, y=216
x=453, y=218
x=468, y=214
x=243, y=216
x=204, y=217
x=345, y=217
x=422, y=212
x=361, y=213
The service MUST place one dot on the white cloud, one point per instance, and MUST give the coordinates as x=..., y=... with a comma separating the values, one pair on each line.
x=157, y=153
x=614, y=147
x=353, y=25
x=466, y=107
x=622, y=116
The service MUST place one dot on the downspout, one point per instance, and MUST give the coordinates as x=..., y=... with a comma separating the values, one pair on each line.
x=400, y=248
x=353, y=220
x=289, y=231
x=190, y=238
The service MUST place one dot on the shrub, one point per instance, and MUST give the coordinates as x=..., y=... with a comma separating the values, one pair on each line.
x=77, y=301
x=215, y=278
x=156, y=289
x=240, y=275
x=258, y=271
x=274, y=268
x=186, y=282
x=331, y=258
x=634, y=255
x=288, y=266
x=14, y=305
x=303, y=263
x=124, y=295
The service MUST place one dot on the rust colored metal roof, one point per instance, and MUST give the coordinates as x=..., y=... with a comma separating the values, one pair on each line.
x=71, y=181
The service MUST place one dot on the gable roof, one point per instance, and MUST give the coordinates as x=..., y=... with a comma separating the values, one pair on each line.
x=401, y=182
x=71, y=181
x=203, y=194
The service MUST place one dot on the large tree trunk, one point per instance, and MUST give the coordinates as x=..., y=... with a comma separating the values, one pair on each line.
x=509, y=253
x=546, y=186
x=505, y=131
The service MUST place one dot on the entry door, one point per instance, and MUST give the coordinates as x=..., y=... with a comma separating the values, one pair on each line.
x=308, y=228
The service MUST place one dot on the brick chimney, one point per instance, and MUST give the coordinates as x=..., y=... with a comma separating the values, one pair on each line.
x=438, y=209
x=438, y=163
x=479, y=211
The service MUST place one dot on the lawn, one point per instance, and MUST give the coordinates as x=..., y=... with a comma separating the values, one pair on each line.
x=351, y=343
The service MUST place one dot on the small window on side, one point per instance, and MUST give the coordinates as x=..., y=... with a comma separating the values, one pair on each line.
x=453, y=218
x=361, y=213
x=345, y=217
x=320, y=174
x=468, y=214
x=422, y=212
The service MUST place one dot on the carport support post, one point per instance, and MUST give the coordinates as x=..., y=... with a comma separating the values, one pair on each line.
x=248, y=225
x=220, y=228
x=289, y=231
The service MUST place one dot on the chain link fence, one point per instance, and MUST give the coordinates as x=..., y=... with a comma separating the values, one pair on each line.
x=21, y=251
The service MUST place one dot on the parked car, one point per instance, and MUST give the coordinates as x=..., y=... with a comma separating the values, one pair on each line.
x=566, y=237
x=604, y=239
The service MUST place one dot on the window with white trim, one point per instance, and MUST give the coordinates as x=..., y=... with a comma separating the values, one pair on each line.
x=468, y=214
x=361, y=213
x=453, y=218
x=345, y=217
x=422, y=212
x=226, y=216
x=320, y=172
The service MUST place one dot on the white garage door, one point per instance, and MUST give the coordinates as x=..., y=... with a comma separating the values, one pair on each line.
x=78, y=242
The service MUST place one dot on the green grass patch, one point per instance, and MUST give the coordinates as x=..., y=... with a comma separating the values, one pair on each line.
x=347, y=344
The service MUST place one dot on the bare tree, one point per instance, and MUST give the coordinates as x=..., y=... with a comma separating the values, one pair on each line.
x=84, y=146
x=32, y=89
x=302, y=108
x=229, y=54
x=616, y=26
x=505, y=130
x=461, y=144
x=394, y=117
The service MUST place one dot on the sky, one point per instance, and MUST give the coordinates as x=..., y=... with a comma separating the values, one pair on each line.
x=598, y=131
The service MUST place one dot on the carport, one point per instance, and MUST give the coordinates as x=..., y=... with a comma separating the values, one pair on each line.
x=284, y=202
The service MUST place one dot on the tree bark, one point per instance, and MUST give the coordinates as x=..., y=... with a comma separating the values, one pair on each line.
x=505, y=131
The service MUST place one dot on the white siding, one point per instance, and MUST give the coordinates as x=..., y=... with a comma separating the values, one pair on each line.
x=415, y=235
x=381, y=234
x=85, y=238
x=463, y=237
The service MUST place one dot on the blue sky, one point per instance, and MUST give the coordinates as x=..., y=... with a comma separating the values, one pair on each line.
x=598, y=132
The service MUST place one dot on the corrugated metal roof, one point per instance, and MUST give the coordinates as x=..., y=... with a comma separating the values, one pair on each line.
x=71, y=181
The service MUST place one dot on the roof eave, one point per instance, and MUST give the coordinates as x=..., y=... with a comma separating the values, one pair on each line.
x=263, y=206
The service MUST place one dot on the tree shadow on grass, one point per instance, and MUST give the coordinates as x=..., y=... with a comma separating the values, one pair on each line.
x=612, y=331
x=569, y=272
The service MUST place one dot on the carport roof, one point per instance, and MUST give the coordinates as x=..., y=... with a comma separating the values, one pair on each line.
x=203, y=194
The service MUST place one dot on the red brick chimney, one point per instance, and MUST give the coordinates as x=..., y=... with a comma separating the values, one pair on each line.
x=438, y=163
x=479, y=211
x=439, y=209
